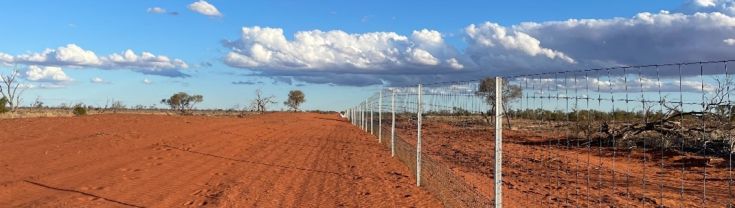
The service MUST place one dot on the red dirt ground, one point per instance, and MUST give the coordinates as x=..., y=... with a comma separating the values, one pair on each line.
x=539, y=173
x=272, y=160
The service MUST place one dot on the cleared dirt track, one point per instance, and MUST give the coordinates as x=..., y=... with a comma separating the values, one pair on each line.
x=272, y=160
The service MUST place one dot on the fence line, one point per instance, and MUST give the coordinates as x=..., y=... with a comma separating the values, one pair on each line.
x=634, y=136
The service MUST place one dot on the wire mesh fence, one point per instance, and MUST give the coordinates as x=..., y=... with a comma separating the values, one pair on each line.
x=636, y=136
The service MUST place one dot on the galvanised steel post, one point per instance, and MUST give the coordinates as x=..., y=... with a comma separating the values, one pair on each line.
x=362, y=116
x=370, y=105
x=418, y=139
x=359, y=116
x=359, y=120
x=498, y=142
x=393, y=124
x=380, y=117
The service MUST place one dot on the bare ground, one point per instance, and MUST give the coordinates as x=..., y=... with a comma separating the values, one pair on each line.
x=540, y=170
x=271, y=160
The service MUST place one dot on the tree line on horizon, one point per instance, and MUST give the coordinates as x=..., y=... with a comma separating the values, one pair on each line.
x=11, y=95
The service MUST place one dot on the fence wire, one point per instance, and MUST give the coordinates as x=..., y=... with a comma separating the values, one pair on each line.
x=637, y=136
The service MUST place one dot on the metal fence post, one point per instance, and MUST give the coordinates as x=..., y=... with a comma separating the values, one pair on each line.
x=357, y=116
x=364, y=120
x=498, y=175
x=380, y=117
x=372, y=129
x=361, y=121
x=418, y=138
x=393, y=125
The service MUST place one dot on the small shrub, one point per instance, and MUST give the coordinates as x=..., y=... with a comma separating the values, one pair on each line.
x=79, y=110
x=3, y=105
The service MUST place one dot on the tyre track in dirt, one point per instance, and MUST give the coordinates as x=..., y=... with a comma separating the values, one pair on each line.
x=214, y=186
x=112, y=167
x=190, y=149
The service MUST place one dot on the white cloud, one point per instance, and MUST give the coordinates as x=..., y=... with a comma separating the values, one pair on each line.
x=74, y=56
x=498, y=39
x=69, y=55
x=147, y=81
x=156, y=10
x=422, y=57
x=454, y=64
x=707, y=6
x=205, y=8
x=5, y=59
x=145, y=60
x=98, y=80
x=343, y=58
x=268, y=49
x=704, y=3
x=48, y=74
x=427, y=38
x=646, y=38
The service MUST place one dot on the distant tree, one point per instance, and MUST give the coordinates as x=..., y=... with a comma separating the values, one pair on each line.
x=260, y=103
x=510, y=93
x=4, y=105
x=9, y=88
x=38, y=104
x=182, y=101
x=117, y=105
x=295, y=99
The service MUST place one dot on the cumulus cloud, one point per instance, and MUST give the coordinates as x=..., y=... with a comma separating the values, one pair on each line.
x=74, y=56
x=46, y=74
x=496, y=39
x=145, y=62
x=69, y=55
x=205, y=8
x=6, y=59
x=268, y=49
x=338, y=57
x=454, y=64
x=422, y=57
x=707, y=6
x=147, y=81
x=702, y=33
x=156, y=10
x=703, y=3
x=643, y=39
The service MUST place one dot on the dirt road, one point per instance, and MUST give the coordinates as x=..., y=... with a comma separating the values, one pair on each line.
x=272, y=160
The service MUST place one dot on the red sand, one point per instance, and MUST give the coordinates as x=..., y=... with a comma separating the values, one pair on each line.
x=538, y=172
x=272, y=160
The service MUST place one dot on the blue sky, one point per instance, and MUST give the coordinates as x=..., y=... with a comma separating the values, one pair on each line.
x=208, y=43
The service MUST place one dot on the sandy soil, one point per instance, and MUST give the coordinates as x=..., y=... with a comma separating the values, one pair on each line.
x=541, y=170
x=272, y=160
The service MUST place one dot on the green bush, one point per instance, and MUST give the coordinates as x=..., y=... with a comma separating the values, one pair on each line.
x=79, y=110
x=3, y=105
